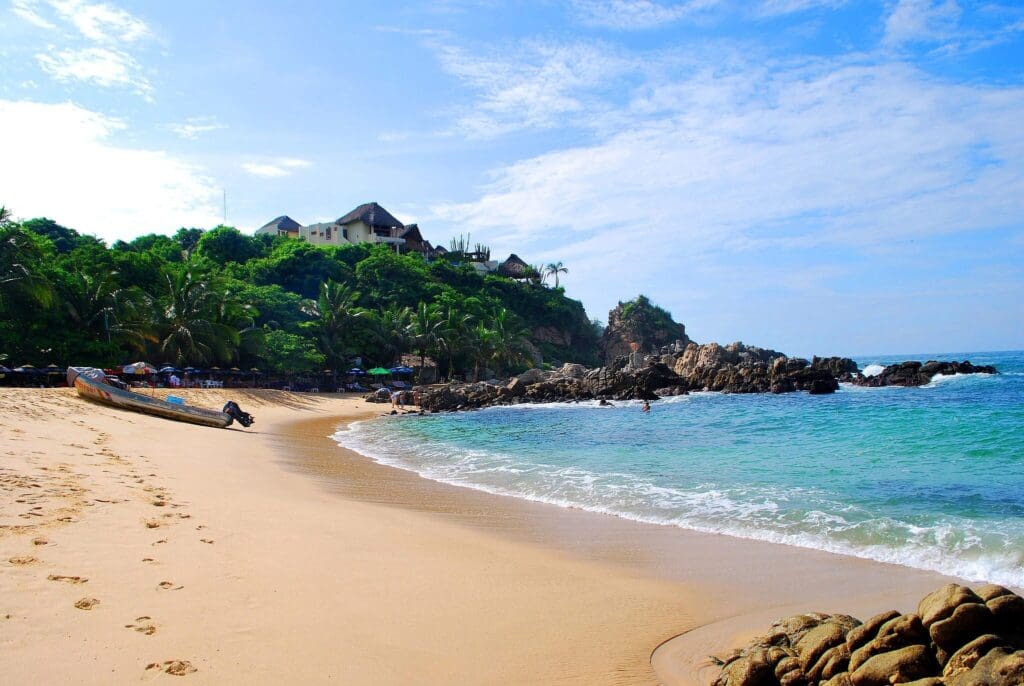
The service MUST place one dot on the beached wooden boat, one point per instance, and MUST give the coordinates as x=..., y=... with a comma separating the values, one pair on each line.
x=91, y=383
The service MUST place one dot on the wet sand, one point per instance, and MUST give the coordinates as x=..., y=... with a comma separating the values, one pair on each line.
x=134, y=548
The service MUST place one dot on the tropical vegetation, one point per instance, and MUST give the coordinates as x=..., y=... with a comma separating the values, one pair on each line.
x=221, y=297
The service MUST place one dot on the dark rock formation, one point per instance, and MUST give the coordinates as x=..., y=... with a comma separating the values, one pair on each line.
x=739, y=368
x=914, y=373
x=957, y=637
x=639, y=326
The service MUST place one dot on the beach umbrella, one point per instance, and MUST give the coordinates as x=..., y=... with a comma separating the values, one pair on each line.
x=28, y=369
x=255, y=370
x=4, y=370
x=401, y=370
x=356, y=371
x=54, y=369
x=168, y=369
x=378, y=371
x=139, y=368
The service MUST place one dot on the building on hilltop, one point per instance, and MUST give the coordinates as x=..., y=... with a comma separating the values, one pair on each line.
x=368, y=223
x=282, y=226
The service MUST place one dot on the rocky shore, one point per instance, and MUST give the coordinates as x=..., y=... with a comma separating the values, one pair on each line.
x=680, y=368
x=957, y=637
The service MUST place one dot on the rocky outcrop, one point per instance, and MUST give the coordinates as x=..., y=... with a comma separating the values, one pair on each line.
x=914, y=373
x=957, y=637
x=639, y=326
x=739, y=368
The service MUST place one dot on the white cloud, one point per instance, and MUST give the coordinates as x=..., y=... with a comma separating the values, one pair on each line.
x=193, y=127
x=95, y=21
x=27, y=10
x=104, y=67
x=776, y=7
x=99, y=55
x=284, y=166
x=61, y=161
x=636, y=14
x=921, y=21
x=101, y=22
x=840, y=157
x=535, y=86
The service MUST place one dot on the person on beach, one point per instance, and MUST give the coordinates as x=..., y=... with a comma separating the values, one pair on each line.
x=646, y=407
x=605, y=403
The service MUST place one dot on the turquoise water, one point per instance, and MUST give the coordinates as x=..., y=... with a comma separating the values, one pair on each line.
x=929, y=477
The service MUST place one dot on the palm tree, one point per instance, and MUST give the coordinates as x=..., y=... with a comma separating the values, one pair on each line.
x=454, y=330
x=554, y=269
x=427, y=331
x=392, y=330
x=20, y=257
x=336, y=312
x=509, y=340
x=480, y=345
x=186, y=322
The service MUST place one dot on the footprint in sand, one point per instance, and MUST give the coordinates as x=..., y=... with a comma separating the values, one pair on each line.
x=144, y=625
x=87, y=603
x=173, y=667
x=23, y=560
x=68, y=579
x=206, y=540
x=162, y=540
x=148, y=559
x=169, y=586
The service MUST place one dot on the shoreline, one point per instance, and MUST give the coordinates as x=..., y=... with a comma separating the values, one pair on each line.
x=284, y=562
x=653, y=551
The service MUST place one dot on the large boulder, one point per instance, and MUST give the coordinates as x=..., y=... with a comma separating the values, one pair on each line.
x=896, y=667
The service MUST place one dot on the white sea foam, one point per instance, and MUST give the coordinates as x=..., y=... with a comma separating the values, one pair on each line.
x=951, y=547
x=872, y=370
x=946, y=378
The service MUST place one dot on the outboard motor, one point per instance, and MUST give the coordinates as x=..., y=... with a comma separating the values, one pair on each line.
x=232, y=409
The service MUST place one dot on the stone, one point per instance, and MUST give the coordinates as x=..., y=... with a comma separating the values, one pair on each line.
x=999, y=667
x=816, y=641
x=860, y=635
x=897, y=633
x=969, y=655
x=1008, y=613
x=842, y=679
x=531, y=376
x=753, y=669
x=968, y=621
x=896, y=667
x=990, y=591
x=940, y=604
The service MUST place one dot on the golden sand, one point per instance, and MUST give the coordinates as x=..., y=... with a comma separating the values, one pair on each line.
x=136, y=548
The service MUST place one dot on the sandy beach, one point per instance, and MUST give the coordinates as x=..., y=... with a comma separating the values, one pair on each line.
x=135, y=548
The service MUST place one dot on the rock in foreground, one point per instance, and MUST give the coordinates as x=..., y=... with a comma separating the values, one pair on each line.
x=957, y=637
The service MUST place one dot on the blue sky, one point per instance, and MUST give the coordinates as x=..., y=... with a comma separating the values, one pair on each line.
x=816, y=176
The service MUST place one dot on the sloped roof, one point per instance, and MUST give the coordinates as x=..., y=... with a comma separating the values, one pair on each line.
x=411, y=231
x=282, y=223
x=514, y=267
x=372, y=215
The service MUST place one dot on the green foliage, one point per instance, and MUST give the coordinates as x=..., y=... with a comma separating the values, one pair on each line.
x=220, y=297
x=225, y=244
x=291, y=353
x=647, y=323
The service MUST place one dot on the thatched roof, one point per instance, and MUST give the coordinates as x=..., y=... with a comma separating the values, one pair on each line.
x=282, y=223
x=371, y=214
x=514, y=268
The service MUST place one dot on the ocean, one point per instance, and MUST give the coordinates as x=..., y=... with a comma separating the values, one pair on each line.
x=929, y=477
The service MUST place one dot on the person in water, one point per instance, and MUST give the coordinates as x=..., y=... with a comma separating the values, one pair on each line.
x=646, y=407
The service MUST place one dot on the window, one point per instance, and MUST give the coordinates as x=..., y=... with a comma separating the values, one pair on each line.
x=328, y=233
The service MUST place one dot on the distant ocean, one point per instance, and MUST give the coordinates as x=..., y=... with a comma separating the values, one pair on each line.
x=929, y=477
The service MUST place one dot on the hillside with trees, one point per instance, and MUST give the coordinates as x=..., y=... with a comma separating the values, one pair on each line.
x=224, y=298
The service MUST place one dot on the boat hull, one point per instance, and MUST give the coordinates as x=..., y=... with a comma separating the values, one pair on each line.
x=89, y=384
